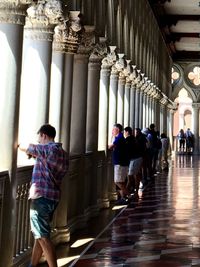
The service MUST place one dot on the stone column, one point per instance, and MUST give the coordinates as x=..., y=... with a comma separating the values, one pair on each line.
x=56, y=83
x=71, y=35
x=107, y=62
x=144, y=110
x=141, y=111
x=132, y=105
x=170, y=131
x=94, y=68
x=66, y=41
x=112, y=114
x=196, y=127
x=79, y=93
x=157, y=112
x=133, y=76
x=36, y=68
x=165, y=125
x=120, y=99
x=67, y=37
x=150, y=109
x=12, y=20
x=153, y=109
x=120, y=64
x=127, y=102
x=161, y=117
x=137, y=99
x=127, y=72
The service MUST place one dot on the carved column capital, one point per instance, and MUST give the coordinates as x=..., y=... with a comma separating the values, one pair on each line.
x=88, y=40
x=75, y=31
x=195, y=106
x=110, y=59
x=41, y=19
x=68, y=33
x=13, y=11
x=99, y=51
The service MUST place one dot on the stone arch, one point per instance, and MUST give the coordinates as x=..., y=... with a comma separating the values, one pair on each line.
x=182, y=84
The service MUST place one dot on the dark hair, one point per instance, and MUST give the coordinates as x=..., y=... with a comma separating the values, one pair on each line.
x=163, y=135
x=129, y=130
x=48, y=130
x=119, y=126
x=152, y=126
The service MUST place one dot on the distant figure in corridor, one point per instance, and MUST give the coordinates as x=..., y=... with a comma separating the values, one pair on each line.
x=51, y=164
x=189, y=140
x=120, y=161
x=181, y=139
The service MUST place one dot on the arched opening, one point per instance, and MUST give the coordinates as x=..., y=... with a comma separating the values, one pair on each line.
x=183, y=115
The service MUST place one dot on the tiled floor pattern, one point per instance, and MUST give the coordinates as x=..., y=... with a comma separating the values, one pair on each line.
x=161, y=228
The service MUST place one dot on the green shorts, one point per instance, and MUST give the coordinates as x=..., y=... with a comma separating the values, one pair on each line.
x=41, y=214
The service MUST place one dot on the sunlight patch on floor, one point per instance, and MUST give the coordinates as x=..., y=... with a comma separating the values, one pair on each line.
x=81, y=242
x=64, y=261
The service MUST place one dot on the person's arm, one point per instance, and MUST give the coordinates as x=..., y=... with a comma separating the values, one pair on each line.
x=27, y=150
x=23, y=148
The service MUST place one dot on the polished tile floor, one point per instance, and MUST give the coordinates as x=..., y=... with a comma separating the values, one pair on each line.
x=161, y=228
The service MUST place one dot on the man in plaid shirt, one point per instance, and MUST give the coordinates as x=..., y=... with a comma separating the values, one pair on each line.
x=49, y=169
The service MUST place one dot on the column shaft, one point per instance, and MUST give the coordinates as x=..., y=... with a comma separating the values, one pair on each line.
x=112, y=114
x=79, y=104
x=120, y=102
x=67, y=101
x=196, y=128
x=132, y=106
x=103, y=109
x=56, y=89
x=11, y=36
x=92, y=105
x=35, y=86
x=127, y=105
x=137, y=108
x=141, y=110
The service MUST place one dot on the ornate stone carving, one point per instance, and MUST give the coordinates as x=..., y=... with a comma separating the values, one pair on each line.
x=42, y=16
x=75, y=31
x=88, y=40
x=68, y=33
x=99, y=51
x=139, y=79
x=127, y=71
x=133, y=76
x=110, y=59
x=60, y=37
x=13, y=11
x=44, y=13
x=120, y=65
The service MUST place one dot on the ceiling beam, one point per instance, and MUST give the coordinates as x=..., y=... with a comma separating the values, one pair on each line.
x=176, y=36
x=186, y=55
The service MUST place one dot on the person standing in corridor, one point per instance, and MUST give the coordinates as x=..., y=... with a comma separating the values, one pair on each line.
x=120, y=161
x=51, y=165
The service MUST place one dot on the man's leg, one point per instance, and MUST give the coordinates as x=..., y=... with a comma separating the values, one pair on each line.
x=36, y=253
x=49, y=251
x=130, y=186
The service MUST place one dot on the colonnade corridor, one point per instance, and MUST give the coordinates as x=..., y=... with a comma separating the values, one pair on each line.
x=161, y=228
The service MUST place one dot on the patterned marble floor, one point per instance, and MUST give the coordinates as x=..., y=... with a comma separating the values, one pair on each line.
x=161, y=228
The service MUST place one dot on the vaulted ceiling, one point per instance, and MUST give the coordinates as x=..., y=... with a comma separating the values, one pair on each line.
x=179, y=21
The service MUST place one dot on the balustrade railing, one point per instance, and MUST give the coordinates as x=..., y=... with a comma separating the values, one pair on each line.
x=85, y=191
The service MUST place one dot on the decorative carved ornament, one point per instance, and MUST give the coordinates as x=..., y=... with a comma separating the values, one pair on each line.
x=110, y=59
x=133, y=76
x=41, y=18
x=13, y=11
x=88, y=40
x=99, y=51
x=68, y=33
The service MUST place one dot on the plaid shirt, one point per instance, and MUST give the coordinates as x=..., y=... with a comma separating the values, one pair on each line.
x=50, y=167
